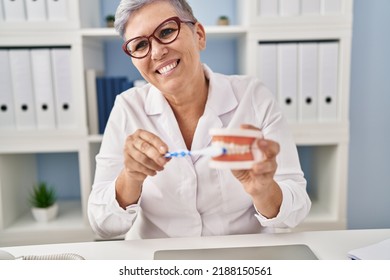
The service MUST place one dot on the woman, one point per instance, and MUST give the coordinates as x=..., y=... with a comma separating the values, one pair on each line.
x=136, y=188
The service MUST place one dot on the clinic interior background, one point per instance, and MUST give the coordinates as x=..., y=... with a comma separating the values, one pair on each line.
x=368, y=203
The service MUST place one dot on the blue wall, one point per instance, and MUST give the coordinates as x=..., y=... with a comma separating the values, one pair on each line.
x=369, y=162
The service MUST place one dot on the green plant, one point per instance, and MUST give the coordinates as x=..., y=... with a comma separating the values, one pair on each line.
x=110, y=18
x=42, y=196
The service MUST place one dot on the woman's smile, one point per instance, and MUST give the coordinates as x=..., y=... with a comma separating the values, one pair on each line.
x=166, y=69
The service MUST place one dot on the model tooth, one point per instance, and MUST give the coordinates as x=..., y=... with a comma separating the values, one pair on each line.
x=232, y=148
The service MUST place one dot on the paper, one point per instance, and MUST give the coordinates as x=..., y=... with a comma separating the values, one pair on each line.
x=377, y=251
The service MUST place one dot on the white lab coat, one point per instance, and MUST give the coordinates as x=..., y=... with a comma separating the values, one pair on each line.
x=188, y=198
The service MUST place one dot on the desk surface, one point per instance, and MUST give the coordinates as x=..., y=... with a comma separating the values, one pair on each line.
x=327, y=245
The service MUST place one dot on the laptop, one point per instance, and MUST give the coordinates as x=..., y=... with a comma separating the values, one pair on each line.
x=275, y=252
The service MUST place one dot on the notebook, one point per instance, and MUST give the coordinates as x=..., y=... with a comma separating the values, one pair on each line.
x=277, y=252
x=377, y=251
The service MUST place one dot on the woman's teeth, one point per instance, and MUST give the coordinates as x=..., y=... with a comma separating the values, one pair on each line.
x=167, y=68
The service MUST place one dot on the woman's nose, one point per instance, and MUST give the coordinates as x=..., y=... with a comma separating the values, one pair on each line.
x=158, y=50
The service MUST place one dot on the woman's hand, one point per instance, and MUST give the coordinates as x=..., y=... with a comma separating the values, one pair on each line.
x=143, y=156
x=259, y=181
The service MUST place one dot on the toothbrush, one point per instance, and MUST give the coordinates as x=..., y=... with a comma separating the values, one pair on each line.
x=211, y=151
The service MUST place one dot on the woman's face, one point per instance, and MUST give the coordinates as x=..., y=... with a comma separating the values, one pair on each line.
x=168, y=67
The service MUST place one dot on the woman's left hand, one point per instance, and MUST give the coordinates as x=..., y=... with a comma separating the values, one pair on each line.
x=259, y=181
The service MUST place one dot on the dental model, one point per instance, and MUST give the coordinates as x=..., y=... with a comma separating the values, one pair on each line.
x=230, y=149
x=241, y=149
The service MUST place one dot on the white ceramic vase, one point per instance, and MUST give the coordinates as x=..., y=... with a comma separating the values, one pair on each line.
x=45, y=215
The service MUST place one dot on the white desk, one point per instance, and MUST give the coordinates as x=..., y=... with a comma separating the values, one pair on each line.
x=327, y=245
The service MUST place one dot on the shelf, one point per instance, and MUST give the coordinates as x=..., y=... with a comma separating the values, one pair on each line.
x=317, y=133
x=35, y=144
x=68, y=224
x=212, y=31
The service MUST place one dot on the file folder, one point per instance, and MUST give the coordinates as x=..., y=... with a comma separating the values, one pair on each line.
x=92, y=103
x=43, y=88
x=101, y=101
x=308, y=81
x=311, y=7
x=268, y=65
x=1, y=12
x=287, y=79
x=14, y=10
x=268, y=8
x=331, y=7
x=7, y=107
x=57, y=10
x=289, y=7
x=23, y=88
x=62, y=81
x=36, y=10
x=328, y=82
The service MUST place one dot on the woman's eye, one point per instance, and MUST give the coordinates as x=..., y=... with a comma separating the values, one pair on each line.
x=141, y=45
x=167, y=32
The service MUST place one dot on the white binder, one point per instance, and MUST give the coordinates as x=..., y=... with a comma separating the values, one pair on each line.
x=14, y=10
x=288, y=79
x=308, y=82
x=331, y=7
x=290, y=7
x=1, y=12
x=268, y=8
x=268, y=65
x=23, y=88
x=311, y=7
x=36, y=10
x=92, y=103
x=328, y=82
x=62, y=81
x=43, y=88
x=57, y=10
x=7, y=107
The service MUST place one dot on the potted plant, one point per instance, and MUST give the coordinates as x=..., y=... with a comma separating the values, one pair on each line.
x=43, y=200
x=223, y=20
x=110, y=19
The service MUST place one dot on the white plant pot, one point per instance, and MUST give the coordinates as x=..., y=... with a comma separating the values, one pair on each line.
x=45, y=215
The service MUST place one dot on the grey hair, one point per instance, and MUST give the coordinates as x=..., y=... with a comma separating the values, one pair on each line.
x=127, y=7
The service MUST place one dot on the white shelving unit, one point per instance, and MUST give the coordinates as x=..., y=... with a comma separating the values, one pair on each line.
x=325, y=143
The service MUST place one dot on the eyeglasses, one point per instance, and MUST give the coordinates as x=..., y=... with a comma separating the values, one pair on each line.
x=165, y=33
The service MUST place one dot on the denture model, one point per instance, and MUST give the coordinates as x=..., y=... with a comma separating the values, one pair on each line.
x=230, y=149
x=241, y=151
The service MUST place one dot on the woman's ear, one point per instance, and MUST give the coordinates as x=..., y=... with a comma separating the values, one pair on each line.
x=200, y=31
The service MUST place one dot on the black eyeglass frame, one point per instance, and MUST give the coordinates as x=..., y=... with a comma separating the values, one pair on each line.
x=176, y=19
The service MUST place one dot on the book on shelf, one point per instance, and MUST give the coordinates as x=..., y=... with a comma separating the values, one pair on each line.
x=101, y=98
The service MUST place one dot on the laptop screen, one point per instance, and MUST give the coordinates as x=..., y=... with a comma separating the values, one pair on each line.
x=276, y=252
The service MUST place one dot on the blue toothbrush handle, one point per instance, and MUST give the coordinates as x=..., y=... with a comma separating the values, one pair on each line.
x=177, y=154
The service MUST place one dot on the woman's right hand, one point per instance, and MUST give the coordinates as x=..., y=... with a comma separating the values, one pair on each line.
x=143, y=157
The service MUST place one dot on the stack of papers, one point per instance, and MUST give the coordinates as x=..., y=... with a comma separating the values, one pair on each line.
x=377, y=251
